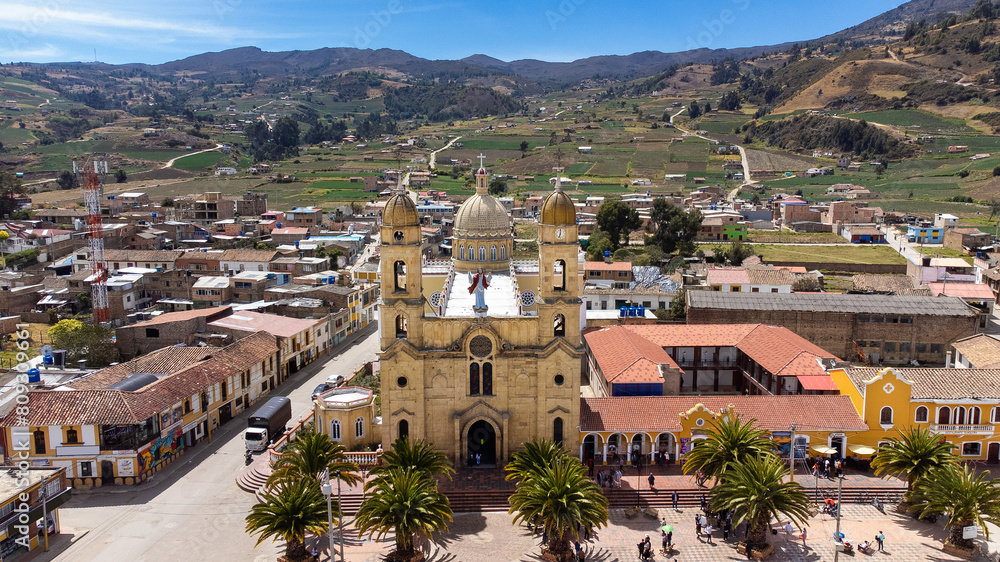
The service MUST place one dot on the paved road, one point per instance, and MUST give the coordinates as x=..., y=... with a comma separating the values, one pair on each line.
x=743, y=158
x=170, y=163
x=193, y=510
x=434, y=154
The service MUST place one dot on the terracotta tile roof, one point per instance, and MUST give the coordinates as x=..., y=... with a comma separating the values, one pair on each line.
x=185, y=315
x=889, y=284
x=248, y=321
x=982, y=351
x=939, y=384
x=91, y=404
x=962, y=290
x=161, y=362
x=142, y=255
x=694, y=335
x=604, y=266
x=770, y=277
x=662, y=413
x=727, y=276
x=626, y=357
x=248, y=255
x=200, y=256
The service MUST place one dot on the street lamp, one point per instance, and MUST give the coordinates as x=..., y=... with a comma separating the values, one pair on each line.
x=328, y=494
x=340, y=520
x=840, y=488
x=791, y=453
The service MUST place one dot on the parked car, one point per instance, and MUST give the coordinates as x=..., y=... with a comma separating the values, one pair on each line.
x=320, y=390
x=335, y=380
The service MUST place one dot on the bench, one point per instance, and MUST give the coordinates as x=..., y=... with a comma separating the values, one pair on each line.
x=631, y=512
x=652, y=512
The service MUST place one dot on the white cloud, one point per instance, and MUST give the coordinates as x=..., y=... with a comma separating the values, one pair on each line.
x=47, y=51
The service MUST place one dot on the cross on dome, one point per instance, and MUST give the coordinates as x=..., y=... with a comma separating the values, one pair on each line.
x=481, y=159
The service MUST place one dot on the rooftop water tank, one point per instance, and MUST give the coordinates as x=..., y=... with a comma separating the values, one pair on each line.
x=34, y=375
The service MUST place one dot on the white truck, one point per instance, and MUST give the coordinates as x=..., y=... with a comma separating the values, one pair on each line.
x=268, y=423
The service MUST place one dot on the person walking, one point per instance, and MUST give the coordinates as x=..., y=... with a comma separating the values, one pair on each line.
x=618, y=478
x=670, y=538
x=879, y=538
x=726, y=526
x=708, y=534
x=816, y=469
x=663, y=539
x=590, y=467
x=673, y=499
x=788, y=529
x=826, y=468
x=803, y=536
x=697, y=527
x=652, y=480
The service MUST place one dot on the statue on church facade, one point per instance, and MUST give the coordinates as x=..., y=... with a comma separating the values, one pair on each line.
x=478, y=284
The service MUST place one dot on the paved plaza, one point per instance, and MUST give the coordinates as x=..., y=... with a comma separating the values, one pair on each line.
x=490, y=537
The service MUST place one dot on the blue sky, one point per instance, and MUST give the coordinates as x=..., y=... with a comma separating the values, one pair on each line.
x=552, y=30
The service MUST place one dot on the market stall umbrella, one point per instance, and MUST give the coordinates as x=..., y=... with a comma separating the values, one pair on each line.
x=861, y=449
x=824, y=450
x=667, y=529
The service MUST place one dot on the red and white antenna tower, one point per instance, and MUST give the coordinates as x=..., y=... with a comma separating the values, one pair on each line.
x=91, y=174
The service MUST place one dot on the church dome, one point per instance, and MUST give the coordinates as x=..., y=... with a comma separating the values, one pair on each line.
x=558, y=209
x=482, y=212
x=400, y=210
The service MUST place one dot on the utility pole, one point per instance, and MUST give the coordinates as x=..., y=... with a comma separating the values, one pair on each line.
x=791, y=454
x=840, y=488
x=325, y=486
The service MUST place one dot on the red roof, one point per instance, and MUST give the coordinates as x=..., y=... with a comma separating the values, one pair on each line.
x=818, y=382
x=727, y=276
x=662, y=413
x=626, y=357
x=962, y=290
x=604, y=266
x=281, y=326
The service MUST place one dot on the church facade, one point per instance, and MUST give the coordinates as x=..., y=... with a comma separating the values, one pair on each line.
x=482, y=352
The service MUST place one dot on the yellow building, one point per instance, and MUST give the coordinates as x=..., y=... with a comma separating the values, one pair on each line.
x=347, y=415
x=479, y=368
x=960, y=405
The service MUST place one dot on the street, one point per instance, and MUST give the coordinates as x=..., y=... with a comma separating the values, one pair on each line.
x=193, y=509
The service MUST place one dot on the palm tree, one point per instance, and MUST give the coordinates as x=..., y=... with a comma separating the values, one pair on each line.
x=537, y=455
x=755, y=490
x=559, y=496
x=406, y=502
x=728, y=442
x=308, y=456
x=913, y=455
x=288, y=513
x=416, y=456
x=967, y=498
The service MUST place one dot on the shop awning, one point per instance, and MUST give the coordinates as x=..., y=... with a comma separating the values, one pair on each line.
x=861, y=449
x=824, y=450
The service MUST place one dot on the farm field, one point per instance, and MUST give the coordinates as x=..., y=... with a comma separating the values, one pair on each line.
x=921, y=122
x=200, y=162
x=841, y=253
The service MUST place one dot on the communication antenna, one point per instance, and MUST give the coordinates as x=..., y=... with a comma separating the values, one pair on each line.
x=91, y=176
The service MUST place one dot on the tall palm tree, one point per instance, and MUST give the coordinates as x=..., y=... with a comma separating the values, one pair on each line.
x=537, y=455
x=967, y=498
x=308, y=456
x=288, y=513
x=755, y=490
x=417, y=456
x=560, y=496
x=406, y=502
x=913, y=455
x=728, y=441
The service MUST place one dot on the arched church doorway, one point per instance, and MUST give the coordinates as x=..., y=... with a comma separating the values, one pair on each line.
x=482, y=444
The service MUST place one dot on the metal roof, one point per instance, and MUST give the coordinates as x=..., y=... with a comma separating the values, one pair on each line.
x=833, y=302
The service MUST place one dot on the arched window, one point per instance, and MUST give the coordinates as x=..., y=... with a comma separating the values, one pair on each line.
x=557, y=431
x=559, y=276
x=474, y=378
x=944, y=415
x=959, y=415
x=974, y=415
x=885, y=416
x=487, y=379
x=559, y=326
x=72, y=436
x=461, y=253
x=921, y=415
x=482, y=253
x=39, y=436
x=503, y=252
x=493, y=253
x=995, y=414
x=399, y=273
x=335, y=430
x=401, y=326
x=359, y=428
x=404, y=429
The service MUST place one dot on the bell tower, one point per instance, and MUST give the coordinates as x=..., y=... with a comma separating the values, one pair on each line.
x=402, y=307
x=559, y=267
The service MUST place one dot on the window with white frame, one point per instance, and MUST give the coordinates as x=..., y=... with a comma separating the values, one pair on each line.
x=921, y=415
x=335, y=430
x=359, y=428
x=973, y=449
x=885, y=416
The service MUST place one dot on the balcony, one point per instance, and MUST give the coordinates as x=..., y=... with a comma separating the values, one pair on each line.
x=962, y=429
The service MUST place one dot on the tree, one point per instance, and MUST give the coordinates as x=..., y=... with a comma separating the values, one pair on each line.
x=558, y=497
x=730, y=101
x=537, y=454
x=167, y=202
x=497, y=186
x=755, y=490
x=406, y=502
x=618, y=220
x=288, y=513
x=121, y=176
x=967, y=498
x=598, y=243
x=674, y=229
x=414, y=456
x=727, y=443
x=694, y=110
x=734, y=252
x=678, y=306
x=524, y=147
x=913, y=455
x=307, y=457
x=807, y=284
x=66, y=180
x=84, y=341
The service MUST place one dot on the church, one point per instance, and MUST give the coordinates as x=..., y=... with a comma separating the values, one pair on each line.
x=482, y=352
